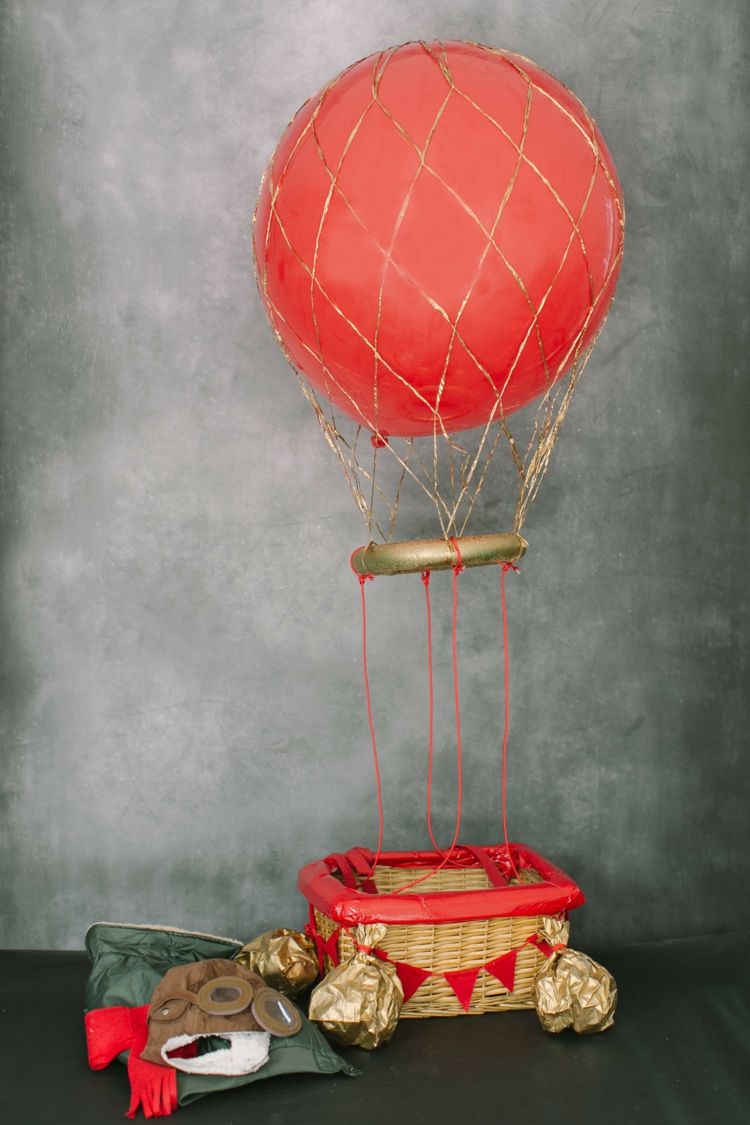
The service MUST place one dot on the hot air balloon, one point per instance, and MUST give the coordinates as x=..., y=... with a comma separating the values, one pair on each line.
x=437, y=240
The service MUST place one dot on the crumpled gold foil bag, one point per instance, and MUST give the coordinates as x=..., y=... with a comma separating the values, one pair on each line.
x=284, y=958
x=555, y=931
x=358, y=1004
x=571, y=990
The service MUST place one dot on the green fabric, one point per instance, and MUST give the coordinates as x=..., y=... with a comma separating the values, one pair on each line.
x=129, y=961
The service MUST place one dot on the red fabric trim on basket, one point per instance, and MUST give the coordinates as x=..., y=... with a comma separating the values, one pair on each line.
x=349, y=907
x=361, y=860
x=491, y=869
x=342, y=862
x=312, y=932
x=330, y=946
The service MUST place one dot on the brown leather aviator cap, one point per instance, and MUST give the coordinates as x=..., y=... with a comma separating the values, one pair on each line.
x=212, y=998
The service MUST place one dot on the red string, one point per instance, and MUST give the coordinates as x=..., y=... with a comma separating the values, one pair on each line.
x=456, y=571
x=446, y=856
x=362, y=579
x=426, y=581
x=506, y=568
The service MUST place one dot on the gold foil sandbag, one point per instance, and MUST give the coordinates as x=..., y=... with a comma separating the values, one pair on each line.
x=571, y=990
x=284, y=958
x=555, y=931
x=358, y=1004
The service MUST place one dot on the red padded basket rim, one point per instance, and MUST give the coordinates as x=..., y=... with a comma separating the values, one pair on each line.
x=349, y=907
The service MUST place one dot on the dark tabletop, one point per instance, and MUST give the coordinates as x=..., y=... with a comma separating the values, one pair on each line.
x=679, y=1053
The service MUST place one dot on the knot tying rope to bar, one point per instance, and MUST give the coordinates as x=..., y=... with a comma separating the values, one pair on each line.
x=460, y=565
x=362, y=577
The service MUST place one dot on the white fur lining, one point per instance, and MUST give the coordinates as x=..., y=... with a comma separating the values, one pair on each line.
x=247, y=1052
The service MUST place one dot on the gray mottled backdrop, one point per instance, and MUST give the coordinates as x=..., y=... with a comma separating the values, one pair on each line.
x=183, y=712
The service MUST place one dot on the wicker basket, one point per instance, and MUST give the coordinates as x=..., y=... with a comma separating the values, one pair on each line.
x=455, y=943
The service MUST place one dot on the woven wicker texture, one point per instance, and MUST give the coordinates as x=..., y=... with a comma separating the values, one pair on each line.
x=453, y=946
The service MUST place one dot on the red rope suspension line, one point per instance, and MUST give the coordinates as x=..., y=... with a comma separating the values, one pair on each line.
x=446, y=856
x=362, y=579
x=459, y=795
x=426, y=581
x=506, y=568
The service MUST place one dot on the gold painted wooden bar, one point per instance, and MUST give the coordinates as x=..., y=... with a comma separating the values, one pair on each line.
x=437, y=554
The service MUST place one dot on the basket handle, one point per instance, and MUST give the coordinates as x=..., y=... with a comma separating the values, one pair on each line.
x=492, y=870
x=336, y=859
x=361, y=860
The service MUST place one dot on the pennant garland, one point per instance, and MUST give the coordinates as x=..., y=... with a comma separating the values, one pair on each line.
x=544, y=946
x=462, y=981
x=504, y=969
x=411, y=978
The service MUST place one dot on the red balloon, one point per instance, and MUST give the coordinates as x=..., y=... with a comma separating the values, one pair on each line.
x=438, y=237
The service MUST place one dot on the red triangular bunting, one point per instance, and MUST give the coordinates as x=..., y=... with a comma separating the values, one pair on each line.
x=331, y=947
x=504, y=968
x=462, y=984
x=542, y=946
x=411, y=977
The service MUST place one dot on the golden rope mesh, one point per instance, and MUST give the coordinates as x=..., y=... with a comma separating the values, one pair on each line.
x=450, y=475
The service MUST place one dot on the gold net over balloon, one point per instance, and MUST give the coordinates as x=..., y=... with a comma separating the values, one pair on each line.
x=449, y=469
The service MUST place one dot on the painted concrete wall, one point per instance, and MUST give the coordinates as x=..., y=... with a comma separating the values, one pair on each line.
x=184, y=721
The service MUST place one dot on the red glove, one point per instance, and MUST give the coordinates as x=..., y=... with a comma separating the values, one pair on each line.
x=112, y=1030
x=153, y=1087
